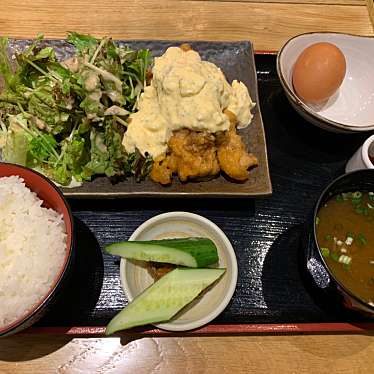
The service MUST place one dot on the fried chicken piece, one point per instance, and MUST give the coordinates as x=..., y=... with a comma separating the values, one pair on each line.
x=161, y=171
x=193, y=154
x=198, y=154
x=233, y=158
x=185, y=47
x=231, y=116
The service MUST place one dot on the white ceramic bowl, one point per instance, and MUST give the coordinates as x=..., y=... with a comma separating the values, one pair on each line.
x=136, y=278
x=351, y=109
x=361, y=160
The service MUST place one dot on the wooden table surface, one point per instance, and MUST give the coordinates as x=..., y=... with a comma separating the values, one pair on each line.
x=268, y=24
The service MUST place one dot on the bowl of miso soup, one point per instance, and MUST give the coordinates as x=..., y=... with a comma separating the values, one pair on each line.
x=343, y=239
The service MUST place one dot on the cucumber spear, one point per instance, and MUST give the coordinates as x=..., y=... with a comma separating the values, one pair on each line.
x=189, y=252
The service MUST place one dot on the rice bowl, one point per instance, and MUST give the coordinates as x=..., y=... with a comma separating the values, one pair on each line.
x=35, y=246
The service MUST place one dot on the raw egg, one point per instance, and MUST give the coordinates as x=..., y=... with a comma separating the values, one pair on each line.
x=318, y=72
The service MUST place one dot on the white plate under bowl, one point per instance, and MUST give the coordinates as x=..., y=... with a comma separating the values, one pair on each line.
x=351, y=109
x=135, y=278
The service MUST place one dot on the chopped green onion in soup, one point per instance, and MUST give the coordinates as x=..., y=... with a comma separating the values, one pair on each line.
x=345, y=235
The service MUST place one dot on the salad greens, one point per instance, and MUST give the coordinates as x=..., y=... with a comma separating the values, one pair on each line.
x=67, y=118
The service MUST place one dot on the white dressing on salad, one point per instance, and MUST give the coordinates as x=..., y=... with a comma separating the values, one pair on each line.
x=185, y=92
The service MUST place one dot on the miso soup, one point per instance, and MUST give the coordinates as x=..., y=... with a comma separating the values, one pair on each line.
x=345, y=235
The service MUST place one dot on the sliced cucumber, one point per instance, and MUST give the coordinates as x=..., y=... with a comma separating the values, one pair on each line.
x=190, y=252
x=162, y=300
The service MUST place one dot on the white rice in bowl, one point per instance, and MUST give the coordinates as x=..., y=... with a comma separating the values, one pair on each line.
x=32, y=249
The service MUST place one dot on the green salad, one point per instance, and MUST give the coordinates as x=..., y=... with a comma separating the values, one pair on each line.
x=66, y=119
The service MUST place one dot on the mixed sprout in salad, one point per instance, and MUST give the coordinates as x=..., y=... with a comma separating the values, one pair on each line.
x=66, y=119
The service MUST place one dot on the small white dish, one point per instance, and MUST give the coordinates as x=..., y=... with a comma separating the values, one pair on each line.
x=351, y=109
x=361, y=160
x=135, y=278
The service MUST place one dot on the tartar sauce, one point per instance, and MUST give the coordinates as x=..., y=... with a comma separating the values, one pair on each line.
x=185, y=92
